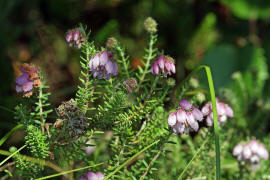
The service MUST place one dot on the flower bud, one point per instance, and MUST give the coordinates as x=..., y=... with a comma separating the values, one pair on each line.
x=111, y=43
x=12, y=149
x=200, y=97
x=185, y=104
x=193, y=82
x=171, y=82
x=150, y=25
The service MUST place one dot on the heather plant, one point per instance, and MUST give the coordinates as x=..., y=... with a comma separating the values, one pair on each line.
x=135, y=124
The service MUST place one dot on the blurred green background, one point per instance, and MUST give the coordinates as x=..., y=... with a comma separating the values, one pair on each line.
x=225, y=35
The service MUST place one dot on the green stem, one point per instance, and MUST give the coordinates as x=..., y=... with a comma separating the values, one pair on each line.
x=34, y=160
x=148, y=59
x=123, y=59
x=11, y=155
x=195, y=155
x=155, y=157
x=67, y=172
x=214, y=109
x=42, y=119
x=10, y=133
x=87, y=79
x=6, y=109
x=130, y=159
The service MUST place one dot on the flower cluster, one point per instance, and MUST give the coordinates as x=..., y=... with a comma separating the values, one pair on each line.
x=75, y=37
x=28, y=80
x=185, y=119
x=163, y=64
x=103, y=66
x=250, y=152
x=93, y=176
x=223, y=111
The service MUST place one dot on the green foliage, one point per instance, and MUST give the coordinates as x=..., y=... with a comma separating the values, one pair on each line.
x=37, y=142
x=242, y=93
x=85, y=90
x=202, y=40
x=137, y=143
x=150, y=54
x=249, y=9
x=22, y=114
x=124, y=60
x=34, y=121
x=42, y=108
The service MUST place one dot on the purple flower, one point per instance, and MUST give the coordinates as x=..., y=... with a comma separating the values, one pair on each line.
x=223, y=111
x=93, y=176
x=185, y=104
x=185, y=119
x=102, y=66
x=163, y=65
x=75, y=37
x=251, y=152
x=28, y=80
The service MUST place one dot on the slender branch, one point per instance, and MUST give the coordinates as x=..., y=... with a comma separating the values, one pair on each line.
x=6, y=109
x=124, y=59
x=130, y=159
x=154, y=159
x=34, y=160
x=87, y=78
x=148, y=59
x=41, y=108
x=195, y=155
x=67, y=172
x=7, y=165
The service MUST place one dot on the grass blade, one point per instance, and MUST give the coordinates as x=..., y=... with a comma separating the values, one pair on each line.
x=67, y=172
x=215, y=117
x=11, y=155
x=10, y=133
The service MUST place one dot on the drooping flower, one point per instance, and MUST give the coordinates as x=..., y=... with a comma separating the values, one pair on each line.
x=251, y=152
x=28, y=80
x=103, y=66
x=93, y=176
x=185, y=119
x=163, y=65
x=75, y=37
x=223, y=110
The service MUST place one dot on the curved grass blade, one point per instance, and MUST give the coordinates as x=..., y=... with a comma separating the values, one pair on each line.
x=10, y=133
x=11, y=155
x=215, y=117
x=67, y=172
